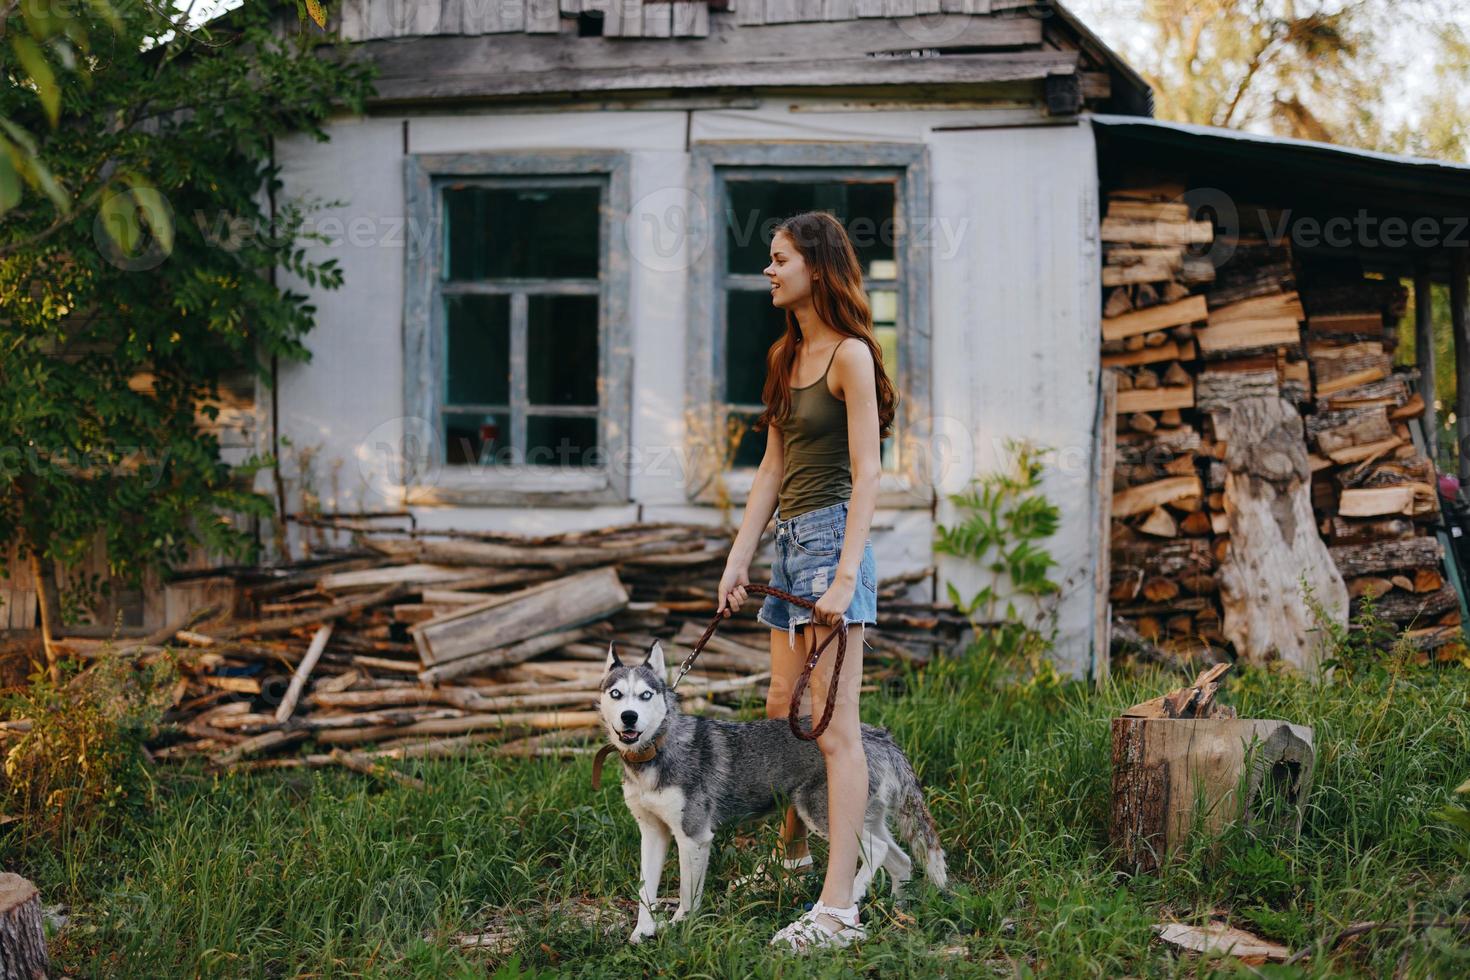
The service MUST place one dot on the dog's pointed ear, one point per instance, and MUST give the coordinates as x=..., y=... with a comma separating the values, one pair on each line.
x=612, y=658
x=656, y=658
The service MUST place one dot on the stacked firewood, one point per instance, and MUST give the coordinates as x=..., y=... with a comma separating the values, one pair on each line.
x=1373, y=488
x=1163, y=549
x=426, y=643
x=1190, y=330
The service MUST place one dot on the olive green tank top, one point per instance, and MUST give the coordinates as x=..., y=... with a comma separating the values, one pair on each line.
x=817, y=470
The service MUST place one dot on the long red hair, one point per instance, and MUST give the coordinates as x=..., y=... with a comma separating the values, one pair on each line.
x=839, y=301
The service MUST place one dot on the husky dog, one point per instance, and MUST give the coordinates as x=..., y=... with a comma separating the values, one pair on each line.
x=685, y=776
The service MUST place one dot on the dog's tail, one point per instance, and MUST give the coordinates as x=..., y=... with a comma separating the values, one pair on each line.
x=916, y=824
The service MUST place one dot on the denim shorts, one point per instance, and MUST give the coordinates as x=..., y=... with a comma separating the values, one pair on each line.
x=807, y=549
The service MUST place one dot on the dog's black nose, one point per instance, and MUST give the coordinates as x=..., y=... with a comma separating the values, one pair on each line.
x=630, y=718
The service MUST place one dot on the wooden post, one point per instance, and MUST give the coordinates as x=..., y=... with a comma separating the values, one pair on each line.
x=22, y=935
x=1460, y=318
x=1424, y=354
x=1106, y=448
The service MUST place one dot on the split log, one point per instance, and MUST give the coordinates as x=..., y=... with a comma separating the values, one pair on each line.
x=1160, y=524
x=1162, y=766
x=1345, y=532
x=1157, y=233
x=1220, y=386
x=1419, y=609
x=1274, y=540
x=1141, y=500
x=1156, y=399
x=501, y=656
x=1405, y=554
x=1139, y=322
x=22, y=933
x=507, y=619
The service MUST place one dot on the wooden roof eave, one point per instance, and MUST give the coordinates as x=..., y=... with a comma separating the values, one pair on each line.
x=489, y=79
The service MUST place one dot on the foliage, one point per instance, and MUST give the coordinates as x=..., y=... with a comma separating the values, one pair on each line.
x=1457, y=817
x=81, y=767
x=1006, y=518
x=123, y=308
x=291, y=873
x=1313, y=69
x=52, y=44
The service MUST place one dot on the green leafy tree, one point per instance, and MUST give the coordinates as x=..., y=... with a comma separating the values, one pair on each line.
x=1312, y=69
x=121, y=304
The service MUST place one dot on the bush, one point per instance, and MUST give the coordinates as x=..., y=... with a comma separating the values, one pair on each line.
x=82, y=763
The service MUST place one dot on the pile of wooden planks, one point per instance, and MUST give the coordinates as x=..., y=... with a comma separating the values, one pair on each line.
x=1196, y=322
x=1373, y=489
x=424, y=643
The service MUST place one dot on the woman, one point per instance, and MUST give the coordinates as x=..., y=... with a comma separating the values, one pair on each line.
x=828, y=404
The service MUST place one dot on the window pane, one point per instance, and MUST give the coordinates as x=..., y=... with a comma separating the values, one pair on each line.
x=557, y=441
x=752, y=444
x=753, y=207
x=478, y=350
x=476, y=438
x=544, y=232
x=752, y=325
x=561, y=350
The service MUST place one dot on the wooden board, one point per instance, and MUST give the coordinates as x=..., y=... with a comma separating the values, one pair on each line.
x=508, y=619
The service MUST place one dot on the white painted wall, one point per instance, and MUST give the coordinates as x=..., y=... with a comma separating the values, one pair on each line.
x=1016, y=331
x=1014, y=306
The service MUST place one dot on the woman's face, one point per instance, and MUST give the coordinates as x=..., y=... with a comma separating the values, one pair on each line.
x=791, y=281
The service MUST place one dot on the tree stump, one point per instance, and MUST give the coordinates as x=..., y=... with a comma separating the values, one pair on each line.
x=22, y=937
x=1169, y=773
x=1274, y=544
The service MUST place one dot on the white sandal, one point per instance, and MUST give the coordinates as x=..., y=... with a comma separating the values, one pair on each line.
x=807, y=933
x=765, y=870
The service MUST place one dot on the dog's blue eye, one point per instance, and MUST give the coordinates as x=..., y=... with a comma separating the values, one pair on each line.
x=646, y=695
x=615, y=694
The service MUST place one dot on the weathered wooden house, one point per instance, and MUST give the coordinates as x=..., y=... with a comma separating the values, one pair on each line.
x=555, y=213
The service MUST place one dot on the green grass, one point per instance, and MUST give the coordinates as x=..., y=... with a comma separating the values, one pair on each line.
x=328, y=873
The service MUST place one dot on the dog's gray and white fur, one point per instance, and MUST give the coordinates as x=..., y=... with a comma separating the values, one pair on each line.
x=709, y=773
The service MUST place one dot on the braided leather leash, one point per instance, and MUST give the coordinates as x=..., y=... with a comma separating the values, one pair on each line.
x=839, y=634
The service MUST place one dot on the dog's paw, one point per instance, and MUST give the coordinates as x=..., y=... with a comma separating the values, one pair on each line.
x=641, y=933
x=680, y=914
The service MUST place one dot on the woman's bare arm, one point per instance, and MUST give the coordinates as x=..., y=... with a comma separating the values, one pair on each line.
x=857, y=382
x=759, y=506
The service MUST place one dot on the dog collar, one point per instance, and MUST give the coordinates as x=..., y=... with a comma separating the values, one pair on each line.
x=641, y=755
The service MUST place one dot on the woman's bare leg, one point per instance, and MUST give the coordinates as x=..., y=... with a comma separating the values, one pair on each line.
x=847, y=766
x=786, y=664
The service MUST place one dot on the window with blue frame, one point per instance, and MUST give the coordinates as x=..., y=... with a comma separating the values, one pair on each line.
x=518, y=299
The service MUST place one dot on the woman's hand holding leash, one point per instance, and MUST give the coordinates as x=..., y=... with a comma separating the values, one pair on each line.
x=732, y=590
x=834, y=602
